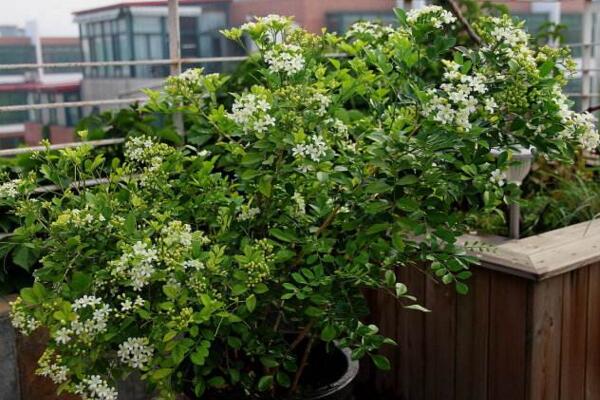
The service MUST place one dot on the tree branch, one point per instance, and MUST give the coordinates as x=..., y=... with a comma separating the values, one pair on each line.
x=455, y=8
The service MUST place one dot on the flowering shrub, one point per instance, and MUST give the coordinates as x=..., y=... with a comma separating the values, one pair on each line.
x=216, y=266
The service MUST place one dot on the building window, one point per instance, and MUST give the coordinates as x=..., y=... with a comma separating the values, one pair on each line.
x=52, y=112
x=11, y=99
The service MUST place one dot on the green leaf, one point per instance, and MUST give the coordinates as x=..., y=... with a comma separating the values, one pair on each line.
x=23, y=257
x=217, y=382
x=417, y=307
x=285, y=236
x=461, y=288
x=401, y=289
x=265, y=185
x=283, y=379
x=80, y=282
x=161, y=373
x=381, y=362
x=252, y=158
x=265, y=383
x=130, y=224
x=328, y=333
x=269, y=362
x=251, y=303
x=377, y=187
x=408, y=180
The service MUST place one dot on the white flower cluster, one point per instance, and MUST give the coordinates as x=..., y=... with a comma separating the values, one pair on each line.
x=498, y=177
x=86, y=328
x=145, y=151
x=509, y=41
x=250, y=111
x=457, y=100
x=76, y=218
x=128, y=305
x=177, y=233
x=316, y=149
x=300, y=203
x=136, y=352
x=192, y=75
x=248, y=213
x=136, y=265
x=286, y=58
x=372, y=29
x=576, y=125
x=50, y=366
x=271, y=20
x=10, y=189
x=322, y=102
x=434, y=15
x=20, y=319
x=95, y=388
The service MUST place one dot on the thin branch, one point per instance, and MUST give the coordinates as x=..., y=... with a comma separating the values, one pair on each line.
x=455, y=8
x=302, y=335
x=303, y=364
x=593, y=108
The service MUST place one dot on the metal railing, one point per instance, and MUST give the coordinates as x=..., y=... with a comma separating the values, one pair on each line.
x=176, y=62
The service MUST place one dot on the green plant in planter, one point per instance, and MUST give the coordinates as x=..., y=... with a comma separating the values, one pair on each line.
x=216, y=268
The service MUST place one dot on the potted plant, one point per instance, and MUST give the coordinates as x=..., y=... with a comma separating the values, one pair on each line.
x=234, y=266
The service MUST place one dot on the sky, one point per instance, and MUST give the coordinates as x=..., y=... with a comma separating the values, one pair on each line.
x=54, y=17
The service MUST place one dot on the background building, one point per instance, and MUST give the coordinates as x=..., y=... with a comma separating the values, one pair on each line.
x=34, y=86
x=138, y=31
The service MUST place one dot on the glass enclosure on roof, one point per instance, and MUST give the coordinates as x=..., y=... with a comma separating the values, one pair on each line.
x=138, y=33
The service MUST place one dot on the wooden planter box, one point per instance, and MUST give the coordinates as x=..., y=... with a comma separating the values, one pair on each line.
x=528, y=329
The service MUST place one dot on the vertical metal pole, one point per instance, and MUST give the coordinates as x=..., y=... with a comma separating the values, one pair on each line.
x=175, y=55
x=174, y=37
x=514, y=214
x=586, y=55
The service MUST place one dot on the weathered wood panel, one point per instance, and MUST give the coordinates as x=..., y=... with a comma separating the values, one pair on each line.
x=472, y=339
x=410, y=360
x=574, y=334
x=546, y=309
x=592, y=373
x=507, y=347
x=440, y=341
x=509, y=338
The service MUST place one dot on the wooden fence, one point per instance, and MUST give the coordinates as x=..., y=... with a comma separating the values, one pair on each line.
x=529, y=329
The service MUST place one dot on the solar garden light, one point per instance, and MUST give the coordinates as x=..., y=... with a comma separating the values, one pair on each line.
x=522, y=159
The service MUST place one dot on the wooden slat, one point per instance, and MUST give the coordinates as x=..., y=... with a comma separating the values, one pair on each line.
x=545, y=310
x=507, y=350
x=592, y=380
x=472, y=338
x=387, y=326
x=574, y=322
x=440, y=341
x=410, y=371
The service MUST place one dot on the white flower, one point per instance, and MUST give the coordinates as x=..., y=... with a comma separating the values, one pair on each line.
x=247, y=213
x=126, y=305
x=434, y=15
x=136, y=265
x=498, y=177
x=95, y=388
x=315, y=150
x=49, y=366
x=23, y=322
x=250, y=111
x=136, y=352
x=300, y=203
x=490, y=105
x=9, y=190
x=286, y=58
x=322, y=102
x=63, y=336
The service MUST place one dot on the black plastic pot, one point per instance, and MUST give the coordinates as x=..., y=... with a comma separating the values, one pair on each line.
x=339, y=389
x=329, y=375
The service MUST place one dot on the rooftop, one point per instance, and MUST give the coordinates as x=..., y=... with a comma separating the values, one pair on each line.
x=154, y=3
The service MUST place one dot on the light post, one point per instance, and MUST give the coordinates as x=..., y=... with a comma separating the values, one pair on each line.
x=522, y=159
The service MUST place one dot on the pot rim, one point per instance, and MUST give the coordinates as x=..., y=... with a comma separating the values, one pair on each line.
x=340, y=384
